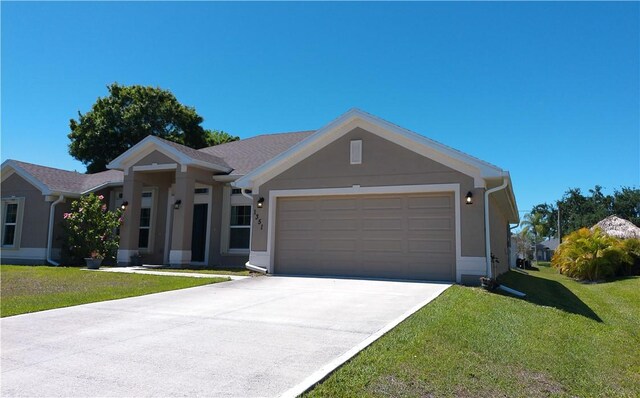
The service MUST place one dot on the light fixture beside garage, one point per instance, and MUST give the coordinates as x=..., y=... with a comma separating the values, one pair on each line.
x=124, y=205
x=260, y=202
x=469, y=198
x=177, y=204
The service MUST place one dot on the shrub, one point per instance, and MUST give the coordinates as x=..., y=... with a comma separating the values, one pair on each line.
x=591, y=255
x=632, y=248
x=90, y=230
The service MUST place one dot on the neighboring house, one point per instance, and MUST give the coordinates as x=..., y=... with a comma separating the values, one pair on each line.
x=544, y=250
x=34, y=199
x=360, y=197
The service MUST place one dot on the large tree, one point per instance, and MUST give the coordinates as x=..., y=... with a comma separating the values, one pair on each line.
x=128, y=114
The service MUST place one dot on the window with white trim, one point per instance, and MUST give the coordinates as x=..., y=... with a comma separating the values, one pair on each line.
x=144, y=231
x=11, y=222
x=356, y=151
x=240, y=227
x=236, y=222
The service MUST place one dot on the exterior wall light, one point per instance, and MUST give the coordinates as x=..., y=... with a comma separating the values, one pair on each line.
x=469, y=198
x=260, y=203
x=124, y=205
x=177, y=204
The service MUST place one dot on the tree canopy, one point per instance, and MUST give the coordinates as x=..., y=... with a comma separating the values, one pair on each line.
x=127, y=115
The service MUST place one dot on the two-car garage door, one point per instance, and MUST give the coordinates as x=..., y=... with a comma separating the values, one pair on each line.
x=401, y=236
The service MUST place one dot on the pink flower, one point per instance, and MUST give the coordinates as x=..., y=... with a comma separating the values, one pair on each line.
x=67, y=215
x=101, y=197
x=104, y=207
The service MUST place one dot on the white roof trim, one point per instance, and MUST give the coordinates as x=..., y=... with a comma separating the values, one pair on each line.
x=151, y=143
x=17, y=169
x=459, y=161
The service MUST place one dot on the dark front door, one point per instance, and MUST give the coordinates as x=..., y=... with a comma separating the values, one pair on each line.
x=199, y=235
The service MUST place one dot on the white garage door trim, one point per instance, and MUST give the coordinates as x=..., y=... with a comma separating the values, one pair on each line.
x=358, y=190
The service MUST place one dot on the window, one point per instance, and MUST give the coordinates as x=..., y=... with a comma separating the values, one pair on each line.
x=10, y=224
x=146, y=215
x=11, y=220
x=199, y=191
x=240, y=227
x=356, y=151
x=237, y=191
x=145, y=226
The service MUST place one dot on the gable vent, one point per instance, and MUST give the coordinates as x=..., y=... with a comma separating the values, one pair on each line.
x=356, y=151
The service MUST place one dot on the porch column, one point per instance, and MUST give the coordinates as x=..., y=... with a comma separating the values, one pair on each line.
x=132, y=193
x=180, y=253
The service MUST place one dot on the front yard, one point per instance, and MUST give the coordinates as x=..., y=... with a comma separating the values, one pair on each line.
x=27, y=289
x=567, y=339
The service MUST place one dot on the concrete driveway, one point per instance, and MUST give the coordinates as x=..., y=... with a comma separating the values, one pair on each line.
x=264, y=336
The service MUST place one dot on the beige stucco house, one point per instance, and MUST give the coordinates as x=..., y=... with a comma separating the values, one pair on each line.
x=360, y=197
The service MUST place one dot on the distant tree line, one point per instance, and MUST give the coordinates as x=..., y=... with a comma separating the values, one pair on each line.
x=578, y=210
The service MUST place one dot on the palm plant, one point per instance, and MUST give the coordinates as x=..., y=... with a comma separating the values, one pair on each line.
x=590, y=255
x=534, y=223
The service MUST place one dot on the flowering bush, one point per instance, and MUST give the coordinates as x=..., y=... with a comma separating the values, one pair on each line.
x=91, y=229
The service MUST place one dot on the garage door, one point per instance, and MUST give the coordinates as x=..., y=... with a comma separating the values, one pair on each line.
x=409, y=236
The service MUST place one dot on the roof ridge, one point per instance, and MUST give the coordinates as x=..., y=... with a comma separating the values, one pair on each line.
x=49, y=167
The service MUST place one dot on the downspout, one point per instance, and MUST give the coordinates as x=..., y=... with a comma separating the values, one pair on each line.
x=487, y=229
x=52, y=212
x=244, y=193
x=248, y=264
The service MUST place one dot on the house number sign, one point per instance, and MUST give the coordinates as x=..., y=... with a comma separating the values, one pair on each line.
x=258, y=219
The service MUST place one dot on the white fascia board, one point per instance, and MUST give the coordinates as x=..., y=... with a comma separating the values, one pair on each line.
x=156, y=167
x=475, y=168
x=101, y=186
x=226, y=178
x=151, y=143
x=119, y=162
x=208, y=166
x=12, y=165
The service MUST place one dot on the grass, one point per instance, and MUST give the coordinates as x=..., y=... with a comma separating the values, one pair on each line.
x=220, y=271
x=26, y=289
x=565, y=339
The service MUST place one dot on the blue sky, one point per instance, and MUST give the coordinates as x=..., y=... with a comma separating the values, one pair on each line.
x=550, y=92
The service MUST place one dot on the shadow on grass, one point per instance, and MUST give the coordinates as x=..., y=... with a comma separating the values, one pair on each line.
x=547, y=292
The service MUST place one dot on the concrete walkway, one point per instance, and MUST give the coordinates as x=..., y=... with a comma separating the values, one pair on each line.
x=148, y=271
x=256, y=337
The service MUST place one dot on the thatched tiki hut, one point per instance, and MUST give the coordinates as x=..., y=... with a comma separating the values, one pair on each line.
x=618, y=227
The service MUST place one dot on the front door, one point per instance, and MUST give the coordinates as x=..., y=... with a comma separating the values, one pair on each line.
x=199, y=233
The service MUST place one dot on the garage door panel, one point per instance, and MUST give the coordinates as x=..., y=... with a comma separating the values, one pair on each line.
x=378, y=236
x=338, y=224
x=298, y=227
x=329, y=245
x=382, y=224
x=340, y=204
x=430, y=223
x=381, y=203
x=382, y=245
x=436, y=202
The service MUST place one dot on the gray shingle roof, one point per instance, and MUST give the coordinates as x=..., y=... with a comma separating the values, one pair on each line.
x=196, y=154
x=248, y=154
x=58, y=180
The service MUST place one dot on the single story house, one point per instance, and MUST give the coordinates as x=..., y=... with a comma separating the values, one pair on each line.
x=360, y=197
x=545, y=249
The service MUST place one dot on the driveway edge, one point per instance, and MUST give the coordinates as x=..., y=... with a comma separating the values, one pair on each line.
x=329, y=368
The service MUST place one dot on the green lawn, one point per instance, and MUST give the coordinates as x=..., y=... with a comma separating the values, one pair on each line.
x=567, y=339
x=27, y=289
x=221, y=271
